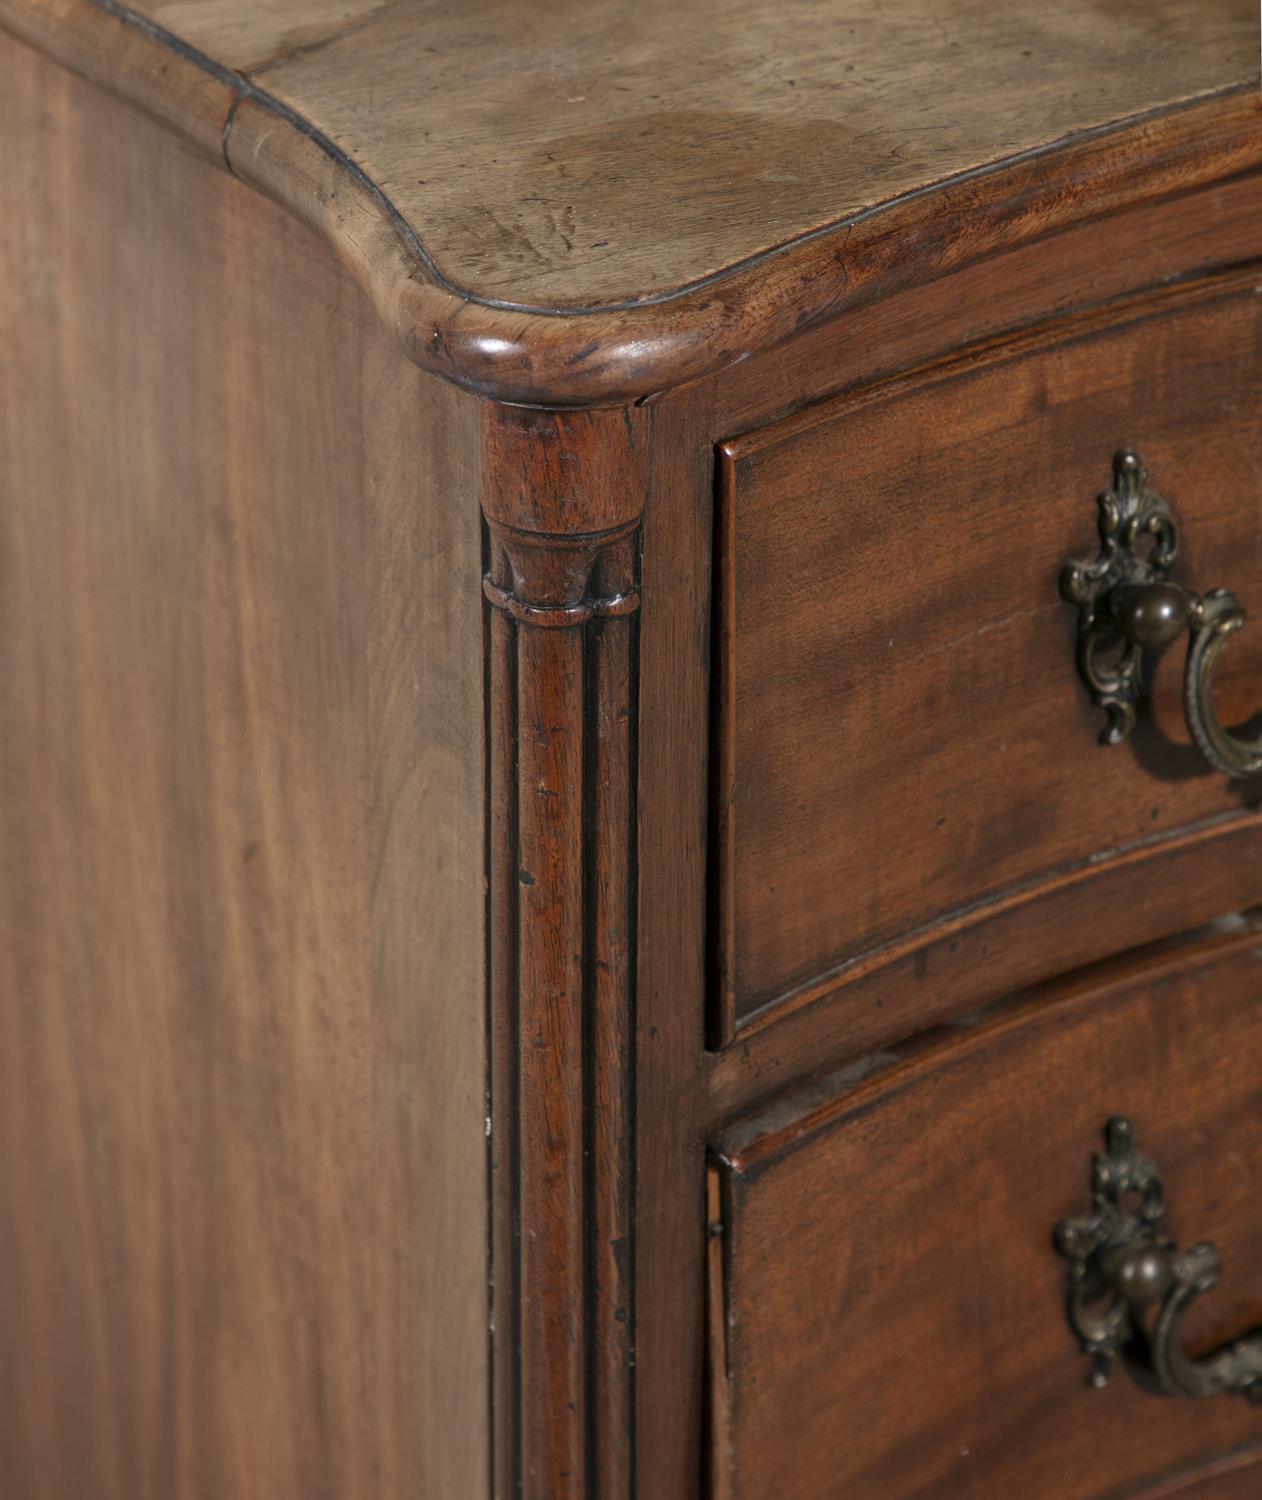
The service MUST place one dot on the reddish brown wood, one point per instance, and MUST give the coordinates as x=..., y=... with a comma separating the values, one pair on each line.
x=563, y=473
x=562, y=712
x=952, y=271
x=888, y=577
x=1235, y=1477
x=672, y=777
x=1171, y=238
x=1062, y=925
x=1073, y=920
x=890, y=1293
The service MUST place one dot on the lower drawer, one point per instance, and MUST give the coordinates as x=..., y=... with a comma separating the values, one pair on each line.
x=888, y=1310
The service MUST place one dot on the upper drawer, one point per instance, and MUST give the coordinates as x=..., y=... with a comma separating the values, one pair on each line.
x=903, y=737
x=888, y=1312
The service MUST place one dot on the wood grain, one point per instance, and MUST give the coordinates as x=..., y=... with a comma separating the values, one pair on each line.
x=676, y=232
x=276, y=752
x=892, y=754
x=242, y=1135
x=597, y=154
x=671, y=904
x=1235, y=1477
x=562, y=710
x=967, y=963
x=1178, y=237
x=890, y=1292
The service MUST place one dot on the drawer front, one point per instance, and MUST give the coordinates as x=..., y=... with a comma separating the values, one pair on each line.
x=903, y=737
x=888, y=1312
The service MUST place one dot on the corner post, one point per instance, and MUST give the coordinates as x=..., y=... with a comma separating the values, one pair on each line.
x=563, y=494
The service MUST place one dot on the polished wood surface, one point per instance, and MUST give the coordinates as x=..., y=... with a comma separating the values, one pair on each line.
x=651, y=173
x=242, y=1133
x=887, y=586
x=377, y=1163
x=889, y=1294
x=563, y=633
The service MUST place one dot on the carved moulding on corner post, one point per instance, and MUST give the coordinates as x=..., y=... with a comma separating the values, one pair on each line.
x=562, y=640
x=567, y=597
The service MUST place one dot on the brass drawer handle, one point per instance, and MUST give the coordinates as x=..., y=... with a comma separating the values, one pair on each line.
x=1122, y=1267
x=1125, y=596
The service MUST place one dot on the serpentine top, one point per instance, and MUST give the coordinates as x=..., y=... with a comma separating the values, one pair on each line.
x=723, y=165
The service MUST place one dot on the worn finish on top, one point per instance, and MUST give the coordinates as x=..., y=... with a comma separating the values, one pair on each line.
x=588, y=152
x=690, y=183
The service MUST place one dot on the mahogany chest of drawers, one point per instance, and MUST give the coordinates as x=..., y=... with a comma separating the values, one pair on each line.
x=624, y=874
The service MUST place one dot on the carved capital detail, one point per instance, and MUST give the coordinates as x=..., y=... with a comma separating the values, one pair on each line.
x=551, y=582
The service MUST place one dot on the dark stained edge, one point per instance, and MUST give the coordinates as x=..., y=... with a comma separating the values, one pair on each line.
x=630, y=1079
x=723, y=1018
x=1224, y=1467
x=620, y=351
x=503, y=1165
x=488, y=1021
x=590, y=1166
x=719, y=1398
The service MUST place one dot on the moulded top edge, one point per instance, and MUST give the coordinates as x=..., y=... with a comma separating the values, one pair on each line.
x=587, y=203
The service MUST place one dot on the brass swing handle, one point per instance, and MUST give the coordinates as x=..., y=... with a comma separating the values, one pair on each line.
x=1126, y=596
x=1129, y=1286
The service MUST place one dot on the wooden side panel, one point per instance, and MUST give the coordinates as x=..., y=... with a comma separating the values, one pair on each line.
x=242, y=1132
x=890, y=1320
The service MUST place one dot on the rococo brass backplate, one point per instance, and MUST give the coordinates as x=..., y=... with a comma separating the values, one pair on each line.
x=1125, y=597
x=1129, y=1286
